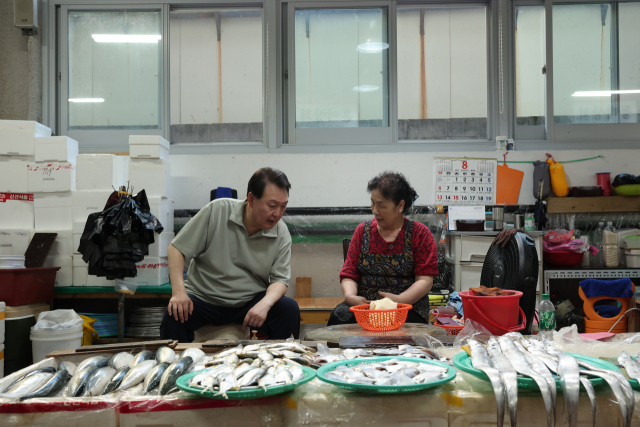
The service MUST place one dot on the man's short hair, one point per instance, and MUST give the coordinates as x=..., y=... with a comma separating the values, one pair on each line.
x=262, y=176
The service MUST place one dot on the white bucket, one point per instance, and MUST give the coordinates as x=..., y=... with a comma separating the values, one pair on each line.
x=2, y=316
x=44, y=341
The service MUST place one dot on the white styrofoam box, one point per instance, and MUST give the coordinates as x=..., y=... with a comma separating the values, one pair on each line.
x=56, y=149
x=62, y=246
x=160, y=247
x=162, y=209
x=81, y=276
x=14, y=241
x=64, y=276
x=16, y=210
x=152, y=271
x=53, y=211
x=54, y=177
x=88, y=202
x=78, y=229
x=13, y=174
x=101, y=171
x=17, y=137
x=153, y=176
x=148, y=147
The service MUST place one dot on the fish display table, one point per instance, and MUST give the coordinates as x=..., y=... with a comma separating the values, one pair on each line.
x=464, y=402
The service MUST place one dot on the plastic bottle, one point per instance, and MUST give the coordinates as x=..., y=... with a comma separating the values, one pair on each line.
x=586, y=257
x=547, y=316
x=610, y=244
x=597, y=261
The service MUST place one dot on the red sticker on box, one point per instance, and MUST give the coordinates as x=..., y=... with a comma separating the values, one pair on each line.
x=16, y=196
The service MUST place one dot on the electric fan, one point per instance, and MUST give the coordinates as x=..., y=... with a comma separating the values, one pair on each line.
x=514, y=267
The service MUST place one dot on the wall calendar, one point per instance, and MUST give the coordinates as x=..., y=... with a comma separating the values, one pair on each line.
x=462, y=180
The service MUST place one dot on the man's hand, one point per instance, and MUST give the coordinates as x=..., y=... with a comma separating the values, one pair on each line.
x=180, y=306
x=392, y=297
x=353, y=300
x=257, y=315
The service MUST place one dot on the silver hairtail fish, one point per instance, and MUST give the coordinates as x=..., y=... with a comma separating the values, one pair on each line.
x=509, y=377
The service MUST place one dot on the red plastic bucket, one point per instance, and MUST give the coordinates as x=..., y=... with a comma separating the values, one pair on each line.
x=498, y=314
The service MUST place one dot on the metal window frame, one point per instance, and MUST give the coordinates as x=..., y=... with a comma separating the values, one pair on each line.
x=341, y=136
x=626, y=134
x=273, y=83
x=102, y=140
x=522, y=132
x=493, y=121
x=55, y=60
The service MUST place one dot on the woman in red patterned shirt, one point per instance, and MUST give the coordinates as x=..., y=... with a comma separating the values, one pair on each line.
x=390, y=256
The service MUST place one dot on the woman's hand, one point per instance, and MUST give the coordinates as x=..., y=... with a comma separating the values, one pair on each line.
x=392, y=297
x=353, y=300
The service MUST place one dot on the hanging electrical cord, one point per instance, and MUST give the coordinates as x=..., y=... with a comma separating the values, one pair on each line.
x=622, y=317
x=563, y=161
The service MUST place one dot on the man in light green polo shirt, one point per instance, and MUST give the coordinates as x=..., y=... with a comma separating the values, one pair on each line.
x=240, y=268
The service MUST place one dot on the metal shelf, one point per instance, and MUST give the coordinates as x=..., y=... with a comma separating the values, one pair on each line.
x=588, y=274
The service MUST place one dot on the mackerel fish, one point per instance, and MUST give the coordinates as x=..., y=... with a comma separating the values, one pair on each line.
x=51, y=387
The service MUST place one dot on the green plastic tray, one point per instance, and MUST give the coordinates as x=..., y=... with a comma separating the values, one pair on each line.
x=462, y=361
x=255, y=393
x=366, y=388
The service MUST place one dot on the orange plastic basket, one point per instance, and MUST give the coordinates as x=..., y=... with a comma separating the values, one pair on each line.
x=451, y=330
x=381, y=320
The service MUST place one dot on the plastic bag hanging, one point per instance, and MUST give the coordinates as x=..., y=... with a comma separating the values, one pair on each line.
x=114, y=240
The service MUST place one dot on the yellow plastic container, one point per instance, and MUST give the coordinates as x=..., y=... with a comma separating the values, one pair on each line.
x=88, y=331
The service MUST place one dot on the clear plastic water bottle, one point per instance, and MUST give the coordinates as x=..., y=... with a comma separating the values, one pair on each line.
x=547, y=316
x=598, y=260
x=610, y=246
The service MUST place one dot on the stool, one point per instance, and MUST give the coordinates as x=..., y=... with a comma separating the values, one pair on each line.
x=593, y=322
x=230, y=331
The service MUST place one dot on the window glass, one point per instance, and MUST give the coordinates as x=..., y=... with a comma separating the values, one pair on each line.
x=582, y=67
x=216, y=75
x=341, y=68
x=442, y=73
x=114, y=70
x=530, y=60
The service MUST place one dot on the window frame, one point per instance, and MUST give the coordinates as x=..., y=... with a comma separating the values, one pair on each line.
x=570, y=136
x=274, y=103
x=99, y=140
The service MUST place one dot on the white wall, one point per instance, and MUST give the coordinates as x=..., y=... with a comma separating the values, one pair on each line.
x=320, y=180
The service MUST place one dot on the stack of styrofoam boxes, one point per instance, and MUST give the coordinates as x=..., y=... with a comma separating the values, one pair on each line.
x=96, y=178
x=17, y=151
x=52, y=179
x=149, y=169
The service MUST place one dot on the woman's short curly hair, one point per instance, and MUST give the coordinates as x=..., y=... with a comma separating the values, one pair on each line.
x=394, y=186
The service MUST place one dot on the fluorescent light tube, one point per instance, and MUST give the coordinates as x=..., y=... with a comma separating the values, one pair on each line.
x=372, y=47
x=604, y=92
x=126, y=38
x=366, y=88
x=86, y=99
